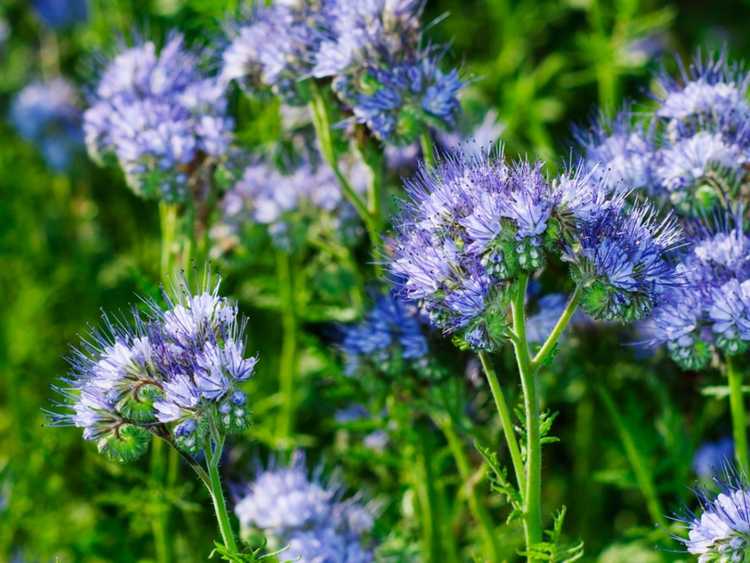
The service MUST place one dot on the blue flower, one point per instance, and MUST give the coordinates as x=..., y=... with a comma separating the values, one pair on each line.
x=308, y=192
x=474, y=224
x=620, y=150
x=47, y=114
x=182, y=365
x=59, y=14
x=372, y=52
x=624, y=261
x=721, y=532
x=712, y=458
x=159, y=116
x=711, y=307
x=711, y=92
x=309, y=517
x=391, y=332
x=274, y=48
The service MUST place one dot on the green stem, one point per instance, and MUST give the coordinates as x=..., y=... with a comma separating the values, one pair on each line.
x=288, y=364
x=324, y=131
x=639, y=465
x=217, y=496
x=533, y=494
x=168, y=219
x=428, y=512
x=549, y=345
x=492, y=549
x=739, y=420
x=428, y=149
x=505, y=419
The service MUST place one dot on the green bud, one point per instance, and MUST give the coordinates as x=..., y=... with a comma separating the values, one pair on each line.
x=693, y=358
x=706, y=198
x=139, y=404
x=409, y=125
x=596, y=300
x=125, y=443
x=732, y=346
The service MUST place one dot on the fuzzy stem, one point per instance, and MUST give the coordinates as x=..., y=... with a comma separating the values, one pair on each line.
x=505, y=419
x=532, y=497
x=549, y=345
x=639, y=465
x=428, y=149
x=288, y=366
x=168, y=219
x=492, y=549
x=739, y=420
x=217, y=496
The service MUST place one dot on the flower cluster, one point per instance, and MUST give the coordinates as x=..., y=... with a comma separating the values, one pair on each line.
x=307, y=517
x=710, y=308
x=693, y=149
x=159, y=116
x=390, y=334
x=713, y=457
x=309, y=192
x=722, y=531
x=475, y=224
x=274, y=48
x=47, y=114
x=372, y=52
x=172, y=372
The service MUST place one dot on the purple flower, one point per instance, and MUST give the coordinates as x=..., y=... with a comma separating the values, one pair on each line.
x=159, y=116
x=60, y=14
x=712, y=458
x=181, y=366
x=310, y=517
x=389, y=333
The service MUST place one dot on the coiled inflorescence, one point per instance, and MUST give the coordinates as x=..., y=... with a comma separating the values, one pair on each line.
x=159, y=116
x=390, y=334
x=475, y=224
x=306, y=516
x=393, y=85
x=172, y=372
x=710, y=309
x=721, y=532
x=47, y=114
x=694, y=148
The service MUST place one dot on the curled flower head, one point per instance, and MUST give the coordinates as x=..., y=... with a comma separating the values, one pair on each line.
x=173, y=372
x=390, y=334
x=295, y=510
x=47, y=114
x=372, y=52
x=475, y=224
x=721, y=531
x=710, y=309
x=159, y=116
x=274, y=48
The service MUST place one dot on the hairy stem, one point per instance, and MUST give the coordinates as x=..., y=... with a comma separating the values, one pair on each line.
x=288, y=366
x=640, y=466
x=505, y=419
x=532, y=498
x=217, y=497
x=739, y=419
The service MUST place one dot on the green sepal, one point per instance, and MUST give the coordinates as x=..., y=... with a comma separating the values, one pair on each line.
x=126, y=443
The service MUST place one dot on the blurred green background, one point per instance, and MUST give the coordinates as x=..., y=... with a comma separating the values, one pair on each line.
x=72, y=244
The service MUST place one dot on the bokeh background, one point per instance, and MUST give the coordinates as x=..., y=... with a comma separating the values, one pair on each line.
x=76, y=240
